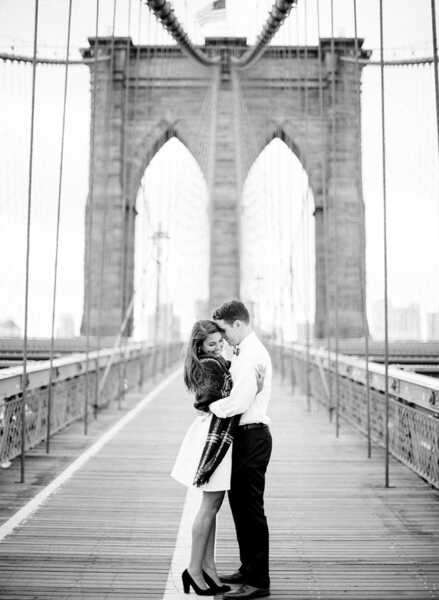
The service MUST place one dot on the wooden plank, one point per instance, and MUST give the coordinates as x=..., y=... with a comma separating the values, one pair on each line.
x=335, y=531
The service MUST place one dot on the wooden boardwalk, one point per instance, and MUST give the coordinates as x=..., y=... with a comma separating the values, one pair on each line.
x=114, y=530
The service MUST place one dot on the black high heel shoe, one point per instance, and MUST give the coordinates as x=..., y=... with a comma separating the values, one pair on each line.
x=219, y=589
x=188, y=582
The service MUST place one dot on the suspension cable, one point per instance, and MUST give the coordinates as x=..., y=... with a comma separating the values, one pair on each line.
x=5, y=56
x=398, y=62
x=58, y=218
x=362, y=273
x=279, y=12
x=165, y=14
x=307, y=223
x=90, y=222
x=335, y=222
x=386, y=297
x=29, y=218
x=129, y=200
x=125, y=191
x=126, y=208
x=109, y=127
x=435, y=59
x=324, y=171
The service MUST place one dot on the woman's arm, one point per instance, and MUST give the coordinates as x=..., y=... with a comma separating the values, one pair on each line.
x=212, y=384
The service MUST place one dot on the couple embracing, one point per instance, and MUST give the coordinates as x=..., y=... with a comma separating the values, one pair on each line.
x=227, y=448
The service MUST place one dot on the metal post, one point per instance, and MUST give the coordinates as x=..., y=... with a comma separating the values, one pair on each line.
x=29, y=217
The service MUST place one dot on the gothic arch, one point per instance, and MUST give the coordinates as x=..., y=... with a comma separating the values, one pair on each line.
x=146, y=150
x=289, y=141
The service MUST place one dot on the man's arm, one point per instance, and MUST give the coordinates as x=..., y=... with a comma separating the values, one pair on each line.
x=242, y=395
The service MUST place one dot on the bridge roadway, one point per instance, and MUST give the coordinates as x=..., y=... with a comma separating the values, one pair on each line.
x=118, y=526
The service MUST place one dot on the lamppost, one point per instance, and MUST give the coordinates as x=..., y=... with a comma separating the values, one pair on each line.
x=158, y=237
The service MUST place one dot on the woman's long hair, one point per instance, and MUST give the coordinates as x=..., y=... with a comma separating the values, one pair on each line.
x=193, y=369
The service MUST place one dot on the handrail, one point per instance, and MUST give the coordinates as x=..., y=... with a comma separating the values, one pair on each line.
x=69, y=379
x=413, y=427
x=416, y=389
x=65, y=368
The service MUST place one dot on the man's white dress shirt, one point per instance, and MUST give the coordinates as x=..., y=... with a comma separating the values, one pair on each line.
x=243, y=398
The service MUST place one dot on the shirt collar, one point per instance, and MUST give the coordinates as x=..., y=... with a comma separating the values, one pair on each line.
x=247, y=341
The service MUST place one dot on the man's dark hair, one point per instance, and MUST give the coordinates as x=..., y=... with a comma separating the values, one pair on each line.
x=235, y=310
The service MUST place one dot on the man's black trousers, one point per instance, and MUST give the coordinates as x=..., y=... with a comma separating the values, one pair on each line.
x=251, y=454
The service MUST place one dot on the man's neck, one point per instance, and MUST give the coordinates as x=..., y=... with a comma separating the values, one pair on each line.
x=246, y=334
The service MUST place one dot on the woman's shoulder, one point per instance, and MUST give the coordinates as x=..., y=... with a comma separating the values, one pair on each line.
x=215, y=362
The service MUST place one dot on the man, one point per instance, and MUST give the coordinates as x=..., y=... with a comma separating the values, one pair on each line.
x=251, y=449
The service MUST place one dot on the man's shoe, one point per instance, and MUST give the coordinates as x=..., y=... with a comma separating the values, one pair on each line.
x=248, y=591
x=234, y=578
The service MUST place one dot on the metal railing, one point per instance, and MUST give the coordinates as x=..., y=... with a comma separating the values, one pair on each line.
x=111, y=372
x=413, y=402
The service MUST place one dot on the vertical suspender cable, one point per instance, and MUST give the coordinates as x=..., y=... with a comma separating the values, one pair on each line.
x=306, y=238
x=335, y=219
x=29, y=217
x=58, y=216
x=126, y=203
x=125, y=191
x=386, y=311
x=362, y=273
x=109, y=127
x=89, y=231
x=129, y=203
x=435, y=64
x=325, y=212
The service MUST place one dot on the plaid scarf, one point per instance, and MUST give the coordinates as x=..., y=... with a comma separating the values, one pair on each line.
x=220, y=435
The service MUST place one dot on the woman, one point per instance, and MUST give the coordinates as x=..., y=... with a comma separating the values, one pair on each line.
x=206, y=466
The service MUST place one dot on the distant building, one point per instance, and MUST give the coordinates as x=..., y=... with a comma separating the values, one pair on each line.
x=404, y=322
x=433, y=326
x=9, y=328
x=66, y=326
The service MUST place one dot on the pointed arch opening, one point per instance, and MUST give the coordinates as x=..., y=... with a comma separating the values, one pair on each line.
x=171, y=245
x=277, y=242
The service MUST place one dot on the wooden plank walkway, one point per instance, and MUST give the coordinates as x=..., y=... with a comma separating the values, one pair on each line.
x=110, y=531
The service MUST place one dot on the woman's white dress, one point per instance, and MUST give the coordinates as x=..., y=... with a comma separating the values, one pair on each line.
x=189, y=455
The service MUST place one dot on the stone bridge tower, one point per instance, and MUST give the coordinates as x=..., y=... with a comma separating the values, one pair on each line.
x=156, y=93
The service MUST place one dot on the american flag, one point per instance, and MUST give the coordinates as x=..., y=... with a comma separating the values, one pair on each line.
x=213, y=10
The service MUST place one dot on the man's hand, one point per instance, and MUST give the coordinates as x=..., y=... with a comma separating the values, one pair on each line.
x=260, y=376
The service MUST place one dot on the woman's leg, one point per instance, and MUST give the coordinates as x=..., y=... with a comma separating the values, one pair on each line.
x=209, y=557
x=201, y=532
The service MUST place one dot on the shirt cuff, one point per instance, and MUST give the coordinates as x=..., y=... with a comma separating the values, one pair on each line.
x=216, y=409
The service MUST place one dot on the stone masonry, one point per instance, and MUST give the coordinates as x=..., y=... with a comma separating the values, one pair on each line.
x=153, y=93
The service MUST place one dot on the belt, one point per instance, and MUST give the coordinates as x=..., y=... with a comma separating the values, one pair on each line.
x=253, y=426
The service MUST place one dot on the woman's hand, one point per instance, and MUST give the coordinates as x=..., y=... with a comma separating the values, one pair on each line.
x=260, y=376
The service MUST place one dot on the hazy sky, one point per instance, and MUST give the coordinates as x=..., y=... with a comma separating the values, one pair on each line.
x=413, y=186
